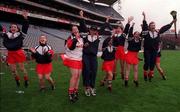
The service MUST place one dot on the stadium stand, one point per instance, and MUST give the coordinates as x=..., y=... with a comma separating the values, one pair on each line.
x=99, y=9
x=55, y=37
x=63, y=34
x=54, y=18
x=69, y=9
x=33, y=34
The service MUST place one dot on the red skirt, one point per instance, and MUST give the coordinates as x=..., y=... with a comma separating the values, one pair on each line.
x=16, y=56
x=44, y=68
x=120, y=53
x=158, y=59
x=108, y=66
x=71, y=63
x=132, y=58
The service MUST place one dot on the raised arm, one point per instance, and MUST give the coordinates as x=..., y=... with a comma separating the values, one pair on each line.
x=106, y=25
x=144, y=25
x=82, y=27
x=106, y=42
x=25, y=24
x=130, y=35
x=126, y=29
x=166, y=27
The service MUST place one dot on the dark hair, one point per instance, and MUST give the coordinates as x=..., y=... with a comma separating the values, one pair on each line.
x=93, y=28
x=152, y=22
x=136, y=32
x=16, y=25
x=73, y=26
x=43, y=35
x=120, y=26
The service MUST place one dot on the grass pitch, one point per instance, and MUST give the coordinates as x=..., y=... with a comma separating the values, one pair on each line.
x=155, y=96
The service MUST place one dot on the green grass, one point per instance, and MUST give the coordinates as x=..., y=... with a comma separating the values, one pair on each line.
x=155, y=96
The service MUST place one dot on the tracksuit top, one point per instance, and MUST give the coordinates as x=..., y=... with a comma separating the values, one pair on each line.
x=108, y=52
x=152, y=39
x=14, y=41
x=120, y=38
x=133, y=45
x=43, y=54
x=93, y=44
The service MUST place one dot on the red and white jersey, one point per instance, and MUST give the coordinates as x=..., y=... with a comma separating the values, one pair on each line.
x=75, y=54
x=42, y=49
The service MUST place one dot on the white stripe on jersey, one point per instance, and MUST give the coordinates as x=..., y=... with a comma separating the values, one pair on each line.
x=42, y=49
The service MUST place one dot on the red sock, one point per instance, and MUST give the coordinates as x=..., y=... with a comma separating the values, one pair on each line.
x=17, y=77
x=75, y=90
x=26, y=78
x=126, y=78
x=71, y=90
x=151, y=72
x=145, y=73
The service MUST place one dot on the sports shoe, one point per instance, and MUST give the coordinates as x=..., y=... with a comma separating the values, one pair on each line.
x=76, y=96
x=163, y=77
x=93, y=91
x=71, y=98
x=87, y=92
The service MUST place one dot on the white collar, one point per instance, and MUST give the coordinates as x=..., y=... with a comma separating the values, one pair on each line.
x=42, y=49
x=153, y=34
x=92, y=38
x=117, y=35
x=110, y=48
x=13, y=35
x=72, y=37
x=136, y=40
